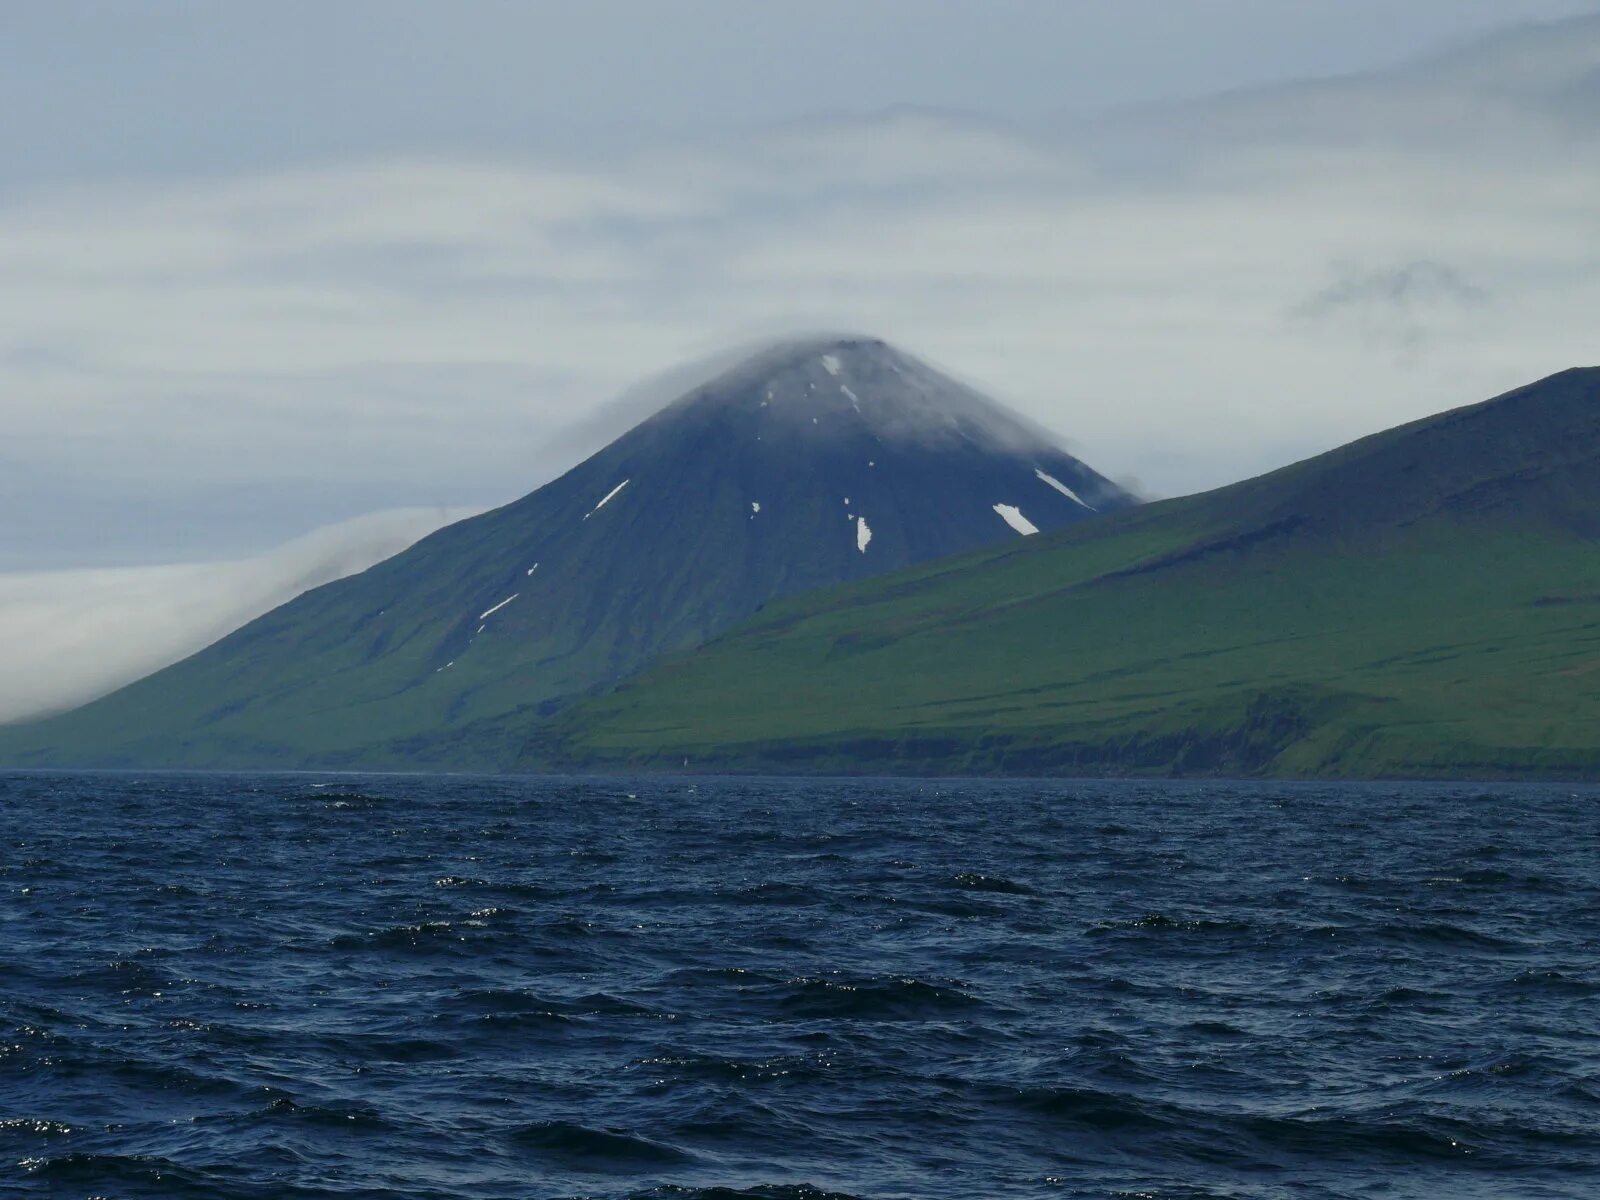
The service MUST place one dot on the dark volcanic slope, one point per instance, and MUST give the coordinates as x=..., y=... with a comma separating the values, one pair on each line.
x=809, y=465
x=1422, y=602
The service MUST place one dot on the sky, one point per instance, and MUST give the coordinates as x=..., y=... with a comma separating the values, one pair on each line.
x=172, y=86
x=271, y=268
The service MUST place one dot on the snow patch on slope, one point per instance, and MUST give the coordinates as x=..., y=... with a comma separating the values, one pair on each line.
x=1012, y=515
x=1064, y=489
x=607, y=499
x=484, y=616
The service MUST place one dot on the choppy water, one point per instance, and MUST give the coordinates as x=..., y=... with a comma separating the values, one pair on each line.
x=296, y=987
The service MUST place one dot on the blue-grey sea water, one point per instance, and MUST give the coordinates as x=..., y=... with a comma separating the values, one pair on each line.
x=467, y=988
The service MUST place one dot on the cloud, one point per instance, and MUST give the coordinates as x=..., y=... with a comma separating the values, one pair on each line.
x=69, y=636
x=1399, y=308
x=1526, y=91
x=424, y=327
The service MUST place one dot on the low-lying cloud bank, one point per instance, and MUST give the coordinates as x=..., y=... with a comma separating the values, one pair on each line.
x=67, y=637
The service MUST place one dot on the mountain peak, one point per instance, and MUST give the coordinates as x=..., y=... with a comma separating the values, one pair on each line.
x=840, y=345
x=836, y=357
x=852, y=385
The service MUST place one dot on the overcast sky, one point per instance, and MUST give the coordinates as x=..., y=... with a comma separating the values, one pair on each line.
x=163, y=86
x=269, y=267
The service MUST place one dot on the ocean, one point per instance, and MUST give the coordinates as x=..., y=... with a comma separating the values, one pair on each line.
x=463, y=988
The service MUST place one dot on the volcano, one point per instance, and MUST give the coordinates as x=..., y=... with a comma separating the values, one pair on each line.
x=810, y=464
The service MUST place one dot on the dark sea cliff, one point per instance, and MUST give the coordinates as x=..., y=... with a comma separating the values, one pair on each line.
x=320, y=986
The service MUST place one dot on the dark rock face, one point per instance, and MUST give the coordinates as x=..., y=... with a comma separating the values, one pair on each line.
x=811, y=464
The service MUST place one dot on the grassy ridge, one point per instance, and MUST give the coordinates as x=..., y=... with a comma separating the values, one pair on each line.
x=1425, y=602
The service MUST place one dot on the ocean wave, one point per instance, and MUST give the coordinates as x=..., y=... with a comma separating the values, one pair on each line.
x=760, y=1191
x=866, y=998
x=594, y=1149
x=979, y=882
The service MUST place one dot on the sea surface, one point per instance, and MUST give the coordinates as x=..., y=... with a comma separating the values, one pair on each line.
x=373, y=986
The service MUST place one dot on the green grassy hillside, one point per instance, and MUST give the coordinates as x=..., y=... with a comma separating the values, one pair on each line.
x=1425, y=602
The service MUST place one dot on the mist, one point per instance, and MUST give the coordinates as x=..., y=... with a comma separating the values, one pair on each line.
x=71, y=636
